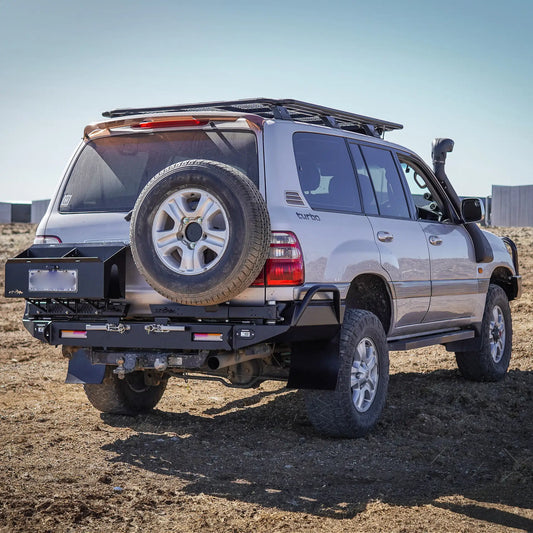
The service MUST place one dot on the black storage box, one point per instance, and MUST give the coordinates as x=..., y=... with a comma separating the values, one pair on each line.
x=44, y=271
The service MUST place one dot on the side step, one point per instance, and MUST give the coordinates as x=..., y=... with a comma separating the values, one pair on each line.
x=430, y=340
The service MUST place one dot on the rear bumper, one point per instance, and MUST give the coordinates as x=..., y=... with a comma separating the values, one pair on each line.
x=151, y=335
x=76, y=297
x=171, y=327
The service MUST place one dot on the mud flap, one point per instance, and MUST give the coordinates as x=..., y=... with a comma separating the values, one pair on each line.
x=314, y=364
x=81, y=370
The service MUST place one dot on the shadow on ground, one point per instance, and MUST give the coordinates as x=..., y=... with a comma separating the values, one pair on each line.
x=439, y=436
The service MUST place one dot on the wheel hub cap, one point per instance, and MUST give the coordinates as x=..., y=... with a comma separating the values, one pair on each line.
x=364, y=375
x=497, y=334
x=193, y=232
x=190, y=231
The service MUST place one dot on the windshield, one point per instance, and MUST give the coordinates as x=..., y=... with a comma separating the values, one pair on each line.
x=110, y=172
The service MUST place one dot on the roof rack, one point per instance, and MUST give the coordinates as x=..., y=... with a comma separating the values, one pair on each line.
x=278, y=109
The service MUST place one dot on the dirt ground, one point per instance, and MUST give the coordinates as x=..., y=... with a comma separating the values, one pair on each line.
x=447, y=455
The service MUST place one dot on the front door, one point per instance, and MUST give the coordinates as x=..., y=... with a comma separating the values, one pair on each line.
x=455, y=290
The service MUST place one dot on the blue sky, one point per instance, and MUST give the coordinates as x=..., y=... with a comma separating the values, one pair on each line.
x=459, y=69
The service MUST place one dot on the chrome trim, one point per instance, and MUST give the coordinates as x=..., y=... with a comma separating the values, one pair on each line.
x=411, y=289
x=458, y=287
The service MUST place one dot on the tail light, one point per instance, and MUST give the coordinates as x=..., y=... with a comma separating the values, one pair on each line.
x=285, y=264
x=46, y=239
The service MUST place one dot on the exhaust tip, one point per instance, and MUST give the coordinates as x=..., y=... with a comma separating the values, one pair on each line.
x=213, y=363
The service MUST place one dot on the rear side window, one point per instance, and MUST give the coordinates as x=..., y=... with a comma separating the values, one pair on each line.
x=386, y=181
x=326, y=173
x=110, y=172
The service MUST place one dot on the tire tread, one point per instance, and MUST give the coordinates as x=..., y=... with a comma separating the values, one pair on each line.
x=332, y=412
x=479, y=365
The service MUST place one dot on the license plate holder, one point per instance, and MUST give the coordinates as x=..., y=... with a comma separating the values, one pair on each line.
x=53, y=280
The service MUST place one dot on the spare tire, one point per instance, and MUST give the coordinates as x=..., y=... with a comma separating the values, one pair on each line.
x=200, y=232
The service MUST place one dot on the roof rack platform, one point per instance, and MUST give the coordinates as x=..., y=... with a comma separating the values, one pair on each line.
x=295, y=110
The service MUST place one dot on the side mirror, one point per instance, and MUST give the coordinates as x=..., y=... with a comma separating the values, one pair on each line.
x=472, y=210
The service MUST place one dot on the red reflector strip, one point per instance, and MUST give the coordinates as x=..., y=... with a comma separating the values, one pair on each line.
x=73, y=334
x=209, y=337
x=171, y=123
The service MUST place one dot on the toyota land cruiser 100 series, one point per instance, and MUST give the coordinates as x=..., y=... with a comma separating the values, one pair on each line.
x=261, y=239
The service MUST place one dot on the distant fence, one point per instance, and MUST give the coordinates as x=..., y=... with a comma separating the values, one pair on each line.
x=31, y=213
x=512, y=205
x=38, y=209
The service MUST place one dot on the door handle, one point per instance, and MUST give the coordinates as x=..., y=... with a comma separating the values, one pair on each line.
x=435, y=240
x=385, y=236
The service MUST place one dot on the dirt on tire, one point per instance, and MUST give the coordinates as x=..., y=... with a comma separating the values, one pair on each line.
x=447, y=455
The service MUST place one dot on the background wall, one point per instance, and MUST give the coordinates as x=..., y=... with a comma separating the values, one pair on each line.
x=23, y=212
x=512, y=206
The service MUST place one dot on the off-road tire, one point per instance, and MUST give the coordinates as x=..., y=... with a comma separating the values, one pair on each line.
x=333, y=413
x=491, y=361
x=128, y=396
x=246, y=233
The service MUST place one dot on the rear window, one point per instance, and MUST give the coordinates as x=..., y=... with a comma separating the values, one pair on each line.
x=110, y=172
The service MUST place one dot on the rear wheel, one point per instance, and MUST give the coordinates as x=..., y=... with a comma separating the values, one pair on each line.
x=491, y=361
x=354, y=407
x=128, y=396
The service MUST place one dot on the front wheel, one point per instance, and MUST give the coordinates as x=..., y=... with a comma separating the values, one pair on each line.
x=128, y=396
x=354, y=407
x=491, y=361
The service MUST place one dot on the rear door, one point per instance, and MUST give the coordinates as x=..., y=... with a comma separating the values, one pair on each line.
x=401, y=241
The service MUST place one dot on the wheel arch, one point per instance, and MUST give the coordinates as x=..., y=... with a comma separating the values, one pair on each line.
x=503, y=277
x=370, y=292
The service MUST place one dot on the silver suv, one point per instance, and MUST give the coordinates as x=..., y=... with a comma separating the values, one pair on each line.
x=261, y=239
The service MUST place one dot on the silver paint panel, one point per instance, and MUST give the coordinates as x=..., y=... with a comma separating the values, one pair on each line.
x=453, y=272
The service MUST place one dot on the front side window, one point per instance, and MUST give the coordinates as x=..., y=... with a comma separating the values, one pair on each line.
x=386, y=181
x=429, y=205
x=326, y=173
x=110, y=172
